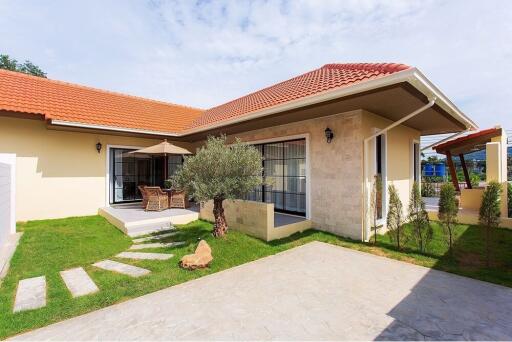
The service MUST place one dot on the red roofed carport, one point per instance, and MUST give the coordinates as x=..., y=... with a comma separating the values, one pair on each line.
x=466, y=144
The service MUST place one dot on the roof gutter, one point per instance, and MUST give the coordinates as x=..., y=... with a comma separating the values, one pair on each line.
x=110, y=128
x=413, y=76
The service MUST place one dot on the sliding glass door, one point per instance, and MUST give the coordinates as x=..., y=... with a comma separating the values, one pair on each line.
x=128, y=171
x=284, y=171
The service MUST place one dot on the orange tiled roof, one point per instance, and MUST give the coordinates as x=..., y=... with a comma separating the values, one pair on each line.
x=328, y=77
x=69, y=102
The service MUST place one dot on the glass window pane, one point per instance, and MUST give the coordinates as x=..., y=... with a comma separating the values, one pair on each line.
x=274, y=151
x=295, y=149
x=273, y=168
x=274, y=183
x=295, y=167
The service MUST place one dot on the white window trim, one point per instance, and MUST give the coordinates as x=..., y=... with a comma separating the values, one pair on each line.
x=108, y=180
x=308, y=163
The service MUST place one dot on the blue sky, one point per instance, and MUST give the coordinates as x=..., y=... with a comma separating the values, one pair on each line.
x=205, y=53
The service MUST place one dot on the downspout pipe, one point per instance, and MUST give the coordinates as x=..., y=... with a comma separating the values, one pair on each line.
x=366, y=189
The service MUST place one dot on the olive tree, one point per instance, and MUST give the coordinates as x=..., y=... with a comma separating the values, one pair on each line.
x=489, y=215
x=418, y=218
x=220, y=171
x=395, y=217
x=448, y=210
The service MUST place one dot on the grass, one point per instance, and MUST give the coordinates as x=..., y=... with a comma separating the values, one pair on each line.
x=50, y=246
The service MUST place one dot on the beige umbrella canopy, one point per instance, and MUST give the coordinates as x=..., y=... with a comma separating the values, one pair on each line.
x=164, y=148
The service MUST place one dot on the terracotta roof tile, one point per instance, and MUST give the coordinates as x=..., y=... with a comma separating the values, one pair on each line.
x=70, y=102
x=328, y=77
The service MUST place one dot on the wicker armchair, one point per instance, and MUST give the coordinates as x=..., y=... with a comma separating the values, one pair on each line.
x=179, y=199
x=157, y=199
x=144, y=195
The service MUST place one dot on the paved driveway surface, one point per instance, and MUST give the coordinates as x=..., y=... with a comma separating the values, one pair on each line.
x=316, y=291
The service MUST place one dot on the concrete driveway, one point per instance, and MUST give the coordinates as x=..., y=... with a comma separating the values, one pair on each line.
x=314, y=292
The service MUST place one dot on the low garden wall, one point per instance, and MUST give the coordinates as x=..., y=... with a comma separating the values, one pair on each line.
x=249, y=217
x=253, y=218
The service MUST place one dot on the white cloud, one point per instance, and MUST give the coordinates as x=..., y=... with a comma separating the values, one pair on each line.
x=206, y=53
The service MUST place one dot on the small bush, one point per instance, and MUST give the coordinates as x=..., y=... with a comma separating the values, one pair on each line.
x=395, y=218
x=418, y=217
x=448, y=209
x=427, y=190
x=489, y=215
x=509, y=197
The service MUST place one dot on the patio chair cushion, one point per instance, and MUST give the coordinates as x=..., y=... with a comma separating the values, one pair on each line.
x=201, y=258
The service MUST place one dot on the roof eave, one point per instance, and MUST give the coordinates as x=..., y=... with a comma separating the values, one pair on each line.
x=111, y=128
x=413, y=76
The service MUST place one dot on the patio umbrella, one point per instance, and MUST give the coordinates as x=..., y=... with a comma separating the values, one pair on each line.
x=164, y=148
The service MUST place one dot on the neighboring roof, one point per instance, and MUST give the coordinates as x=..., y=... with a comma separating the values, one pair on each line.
x=328, y=77
x=470, y=142
x=58, y=100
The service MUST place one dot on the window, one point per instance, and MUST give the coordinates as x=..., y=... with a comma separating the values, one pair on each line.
x=174, y=162
x=284, y=171
x=416, y=161
x=379, y=170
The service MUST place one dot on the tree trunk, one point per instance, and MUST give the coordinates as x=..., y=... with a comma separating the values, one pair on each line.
x=220, y=227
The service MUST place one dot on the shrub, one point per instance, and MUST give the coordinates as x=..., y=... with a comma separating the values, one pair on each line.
x=427, y=190
x=489, y=215
x=509, y=199
x=375, y=199
x=418, y=218
x=448, y=210
x=394, y=218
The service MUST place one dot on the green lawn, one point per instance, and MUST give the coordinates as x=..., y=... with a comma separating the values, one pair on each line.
x=50, y=246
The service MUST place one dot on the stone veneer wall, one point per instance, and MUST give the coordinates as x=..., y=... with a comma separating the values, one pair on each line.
x=252, y=218
x=335, y=169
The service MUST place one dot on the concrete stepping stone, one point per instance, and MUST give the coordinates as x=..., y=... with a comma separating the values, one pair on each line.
x=119, y=267
x=144, y=256
x=154, y=237
x=31, y=294
x=78, y=282
x=157, y=245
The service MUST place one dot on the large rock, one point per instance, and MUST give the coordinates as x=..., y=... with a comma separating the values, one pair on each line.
x=201, y=257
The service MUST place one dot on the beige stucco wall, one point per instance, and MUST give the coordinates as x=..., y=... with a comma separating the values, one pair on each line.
x=58, y=173
x=399, y=154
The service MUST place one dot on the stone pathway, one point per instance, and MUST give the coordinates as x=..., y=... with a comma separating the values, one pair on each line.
x=154, y=237
x=144, y=256
x=78, y=282
x=31, y=294
x=156, y=245
x=132, y=271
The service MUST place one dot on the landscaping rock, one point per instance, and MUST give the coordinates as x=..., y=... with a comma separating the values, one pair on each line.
x=201, y=258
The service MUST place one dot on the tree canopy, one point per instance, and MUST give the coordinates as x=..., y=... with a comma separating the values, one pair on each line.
x=220, y=171
x=26, y=67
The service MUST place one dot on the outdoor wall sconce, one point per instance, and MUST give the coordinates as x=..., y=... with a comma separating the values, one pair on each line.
x=98, y=147
x=329, y=135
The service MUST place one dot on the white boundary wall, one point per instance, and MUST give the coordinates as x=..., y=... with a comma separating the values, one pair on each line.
x=7, y=196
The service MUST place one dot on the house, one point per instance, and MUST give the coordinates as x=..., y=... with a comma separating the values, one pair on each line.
x=324, y=135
